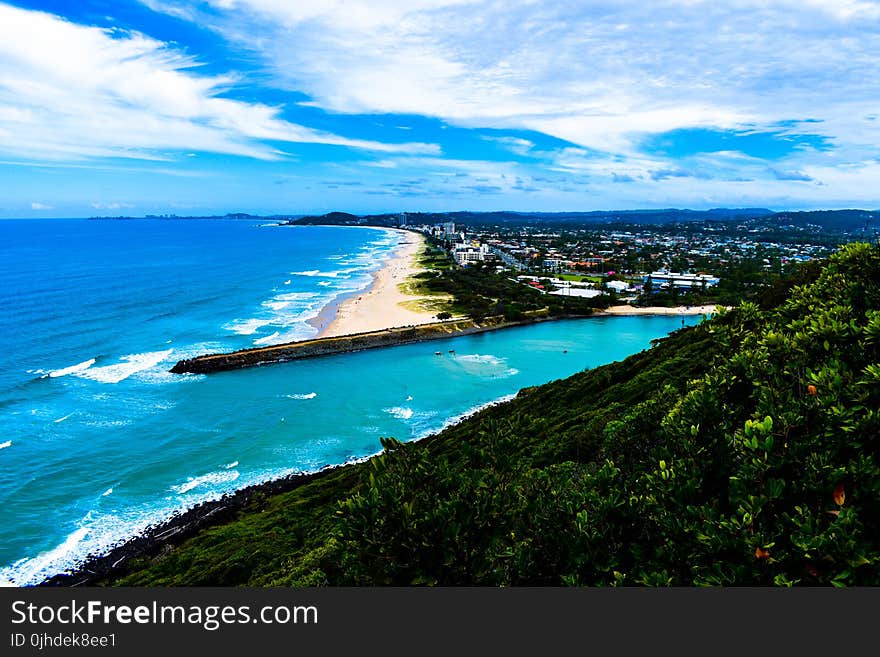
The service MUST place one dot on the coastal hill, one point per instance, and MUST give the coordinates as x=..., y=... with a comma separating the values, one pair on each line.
x=863, y=222
x=834, y=220
x=467, y=218
x=741, y=451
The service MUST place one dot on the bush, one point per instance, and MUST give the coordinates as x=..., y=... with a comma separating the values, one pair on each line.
x=762, y=469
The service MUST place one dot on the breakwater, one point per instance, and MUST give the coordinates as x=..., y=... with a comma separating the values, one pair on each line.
x=227, y=432
x=347, y=343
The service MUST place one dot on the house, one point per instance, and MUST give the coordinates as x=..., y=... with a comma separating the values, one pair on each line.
x=617, y=286
x=666, y=279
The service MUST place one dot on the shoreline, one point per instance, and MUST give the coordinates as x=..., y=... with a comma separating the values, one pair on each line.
x=623, y=310
x=380, y=305
x=391, y=337
x=175, y=529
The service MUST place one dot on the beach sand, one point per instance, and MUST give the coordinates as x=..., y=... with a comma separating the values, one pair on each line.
x=661, y=310
x=381, y=306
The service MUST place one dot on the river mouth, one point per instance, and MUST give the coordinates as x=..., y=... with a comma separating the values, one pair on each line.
x=235, y=429
x=113, y=443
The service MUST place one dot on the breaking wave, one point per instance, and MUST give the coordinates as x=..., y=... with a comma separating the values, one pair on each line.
x=246, y=326
x=400, y=412
x=73, y=369
x=212, y=478
x=131, y=364
x=310, y=395
x=269, y=339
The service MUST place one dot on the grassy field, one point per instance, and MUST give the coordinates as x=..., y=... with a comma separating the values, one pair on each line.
x=578, y=278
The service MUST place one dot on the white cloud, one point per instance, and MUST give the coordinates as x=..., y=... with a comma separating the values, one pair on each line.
x=111, y=206
x=513, y=144
x=70, y=91
x=600, y=74
x=41, y=206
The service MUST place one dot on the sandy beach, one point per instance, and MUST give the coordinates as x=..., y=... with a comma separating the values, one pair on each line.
x=384, y=304
x=661, y=310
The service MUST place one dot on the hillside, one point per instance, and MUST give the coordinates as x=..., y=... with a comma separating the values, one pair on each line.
x=743, y=451
x=510, y=218
x=865, y=221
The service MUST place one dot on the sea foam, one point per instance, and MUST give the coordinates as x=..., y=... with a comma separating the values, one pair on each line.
x=212, y=478
x=131, y=364
x=73, y=369
x=96, y=534
x=269, y=339
x=310, y=395
x=246, y=326
x=295, y=296
x=400, y=412
x=486, y=359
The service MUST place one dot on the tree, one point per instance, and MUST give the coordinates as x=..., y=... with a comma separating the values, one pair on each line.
x=647, y=290
x=444, y=315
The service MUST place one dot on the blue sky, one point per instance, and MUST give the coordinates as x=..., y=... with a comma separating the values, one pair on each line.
x=270, y=106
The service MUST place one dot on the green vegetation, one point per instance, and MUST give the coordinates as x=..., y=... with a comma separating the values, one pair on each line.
x=432, y=259
x=579, y=278
x=479, y=292
x=745, y=280
x=743, y=451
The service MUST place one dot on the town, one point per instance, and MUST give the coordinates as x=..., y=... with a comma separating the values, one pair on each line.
x=658, y=264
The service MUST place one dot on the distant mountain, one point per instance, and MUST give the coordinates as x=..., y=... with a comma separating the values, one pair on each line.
x=668, y=215
x=836, y=220
x=231, y=215
x=849, y=221
x=337, y=219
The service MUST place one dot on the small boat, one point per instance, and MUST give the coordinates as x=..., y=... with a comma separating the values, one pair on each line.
x=438, y=353
x=452, y=351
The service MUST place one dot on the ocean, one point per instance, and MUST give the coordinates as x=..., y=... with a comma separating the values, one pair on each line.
x=98, y=440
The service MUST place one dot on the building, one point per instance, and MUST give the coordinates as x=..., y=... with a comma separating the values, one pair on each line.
x=556, y=263
x=445, y=231
x=587, y=263
x=584, y=293
x=467, y=254
x=662, y=280
x=617, y=286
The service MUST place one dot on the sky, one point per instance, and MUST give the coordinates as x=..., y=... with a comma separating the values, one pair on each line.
x=195, y=107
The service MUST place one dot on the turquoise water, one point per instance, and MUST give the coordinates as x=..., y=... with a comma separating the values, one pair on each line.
x=92, y=452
